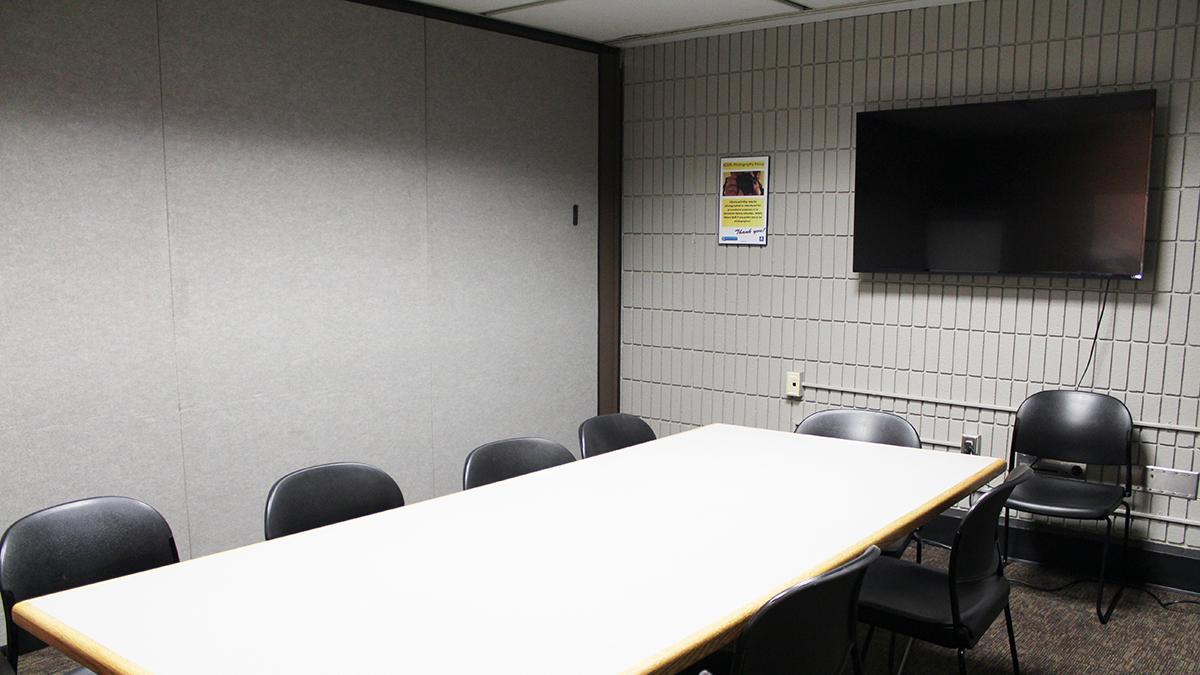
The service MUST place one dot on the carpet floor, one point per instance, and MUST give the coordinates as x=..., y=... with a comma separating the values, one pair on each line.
x=1057, y=634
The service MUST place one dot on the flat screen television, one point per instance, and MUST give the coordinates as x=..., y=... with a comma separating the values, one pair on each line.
x=1047, y=187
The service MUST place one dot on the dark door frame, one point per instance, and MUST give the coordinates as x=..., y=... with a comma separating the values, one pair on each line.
x=608, y=296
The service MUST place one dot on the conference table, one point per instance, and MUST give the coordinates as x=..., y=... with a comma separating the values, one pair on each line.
x=640, y=560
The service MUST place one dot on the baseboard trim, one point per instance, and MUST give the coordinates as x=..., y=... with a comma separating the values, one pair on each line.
x=1078, y=553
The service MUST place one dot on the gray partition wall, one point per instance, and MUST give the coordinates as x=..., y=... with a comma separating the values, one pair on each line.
x=296, y=206
x=236, y=239
x=513, y=279
x=87, y=376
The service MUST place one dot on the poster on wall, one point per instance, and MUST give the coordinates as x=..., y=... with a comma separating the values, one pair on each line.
x=743, y=201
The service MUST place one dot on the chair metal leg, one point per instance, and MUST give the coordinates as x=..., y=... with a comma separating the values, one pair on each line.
x=1102, y=613
x=1005, y=535
x=1012, y=640
x=892, y=669
x=962, y=661
x=904, y=656
x=855, y=660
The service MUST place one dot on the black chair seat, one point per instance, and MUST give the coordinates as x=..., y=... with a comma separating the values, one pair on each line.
x=810, y=628
x=915, y=600
x=325, y=494
x=1066, y=498
x=512, y=457
x=872, y=427
x=74, y=544
x=605, y=433
x=896, y=548
x=1075, y=426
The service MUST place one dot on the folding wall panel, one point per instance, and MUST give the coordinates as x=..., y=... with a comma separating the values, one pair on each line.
x=217, y=264
x=87, y=373
x=296, y=184
x=512, y=148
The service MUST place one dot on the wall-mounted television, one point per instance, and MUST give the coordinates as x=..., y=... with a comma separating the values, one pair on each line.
x=1051, y=186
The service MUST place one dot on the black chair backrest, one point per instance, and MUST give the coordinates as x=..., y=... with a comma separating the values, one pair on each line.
x=75, y=544
x=975, y=554
x=1073, y=426
x=809, y=628
x=500, y=460
x=326, y=494
x=861, y=425
x=605, y=433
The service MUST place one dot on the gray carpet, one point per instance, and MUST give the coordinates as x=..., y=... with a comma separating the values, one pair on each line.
x=1057, y=633
x=45, y=661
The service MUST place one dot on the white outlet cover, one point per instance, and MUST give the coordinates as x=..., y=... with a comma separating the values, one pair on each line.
x=792, y=384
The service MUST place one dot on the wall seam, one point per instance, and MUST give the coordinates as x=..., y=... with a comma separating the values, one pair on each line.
x=187, y=514
x=433, y=464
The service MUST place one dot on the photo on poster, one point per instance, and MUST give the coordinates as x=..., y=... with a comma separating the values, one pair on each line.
x=743, y=194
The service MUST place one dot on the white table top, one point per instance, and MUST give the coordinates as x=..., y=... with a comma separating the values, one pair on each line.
x=629, y=561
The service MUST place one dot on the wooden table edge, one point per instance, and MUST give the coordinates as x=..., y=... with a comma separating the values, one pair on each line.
x=709, y=640
x=81, y=648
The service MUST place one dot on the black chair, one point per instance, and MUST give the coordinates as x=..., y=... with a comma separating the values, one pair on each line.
x=1075, y=426
x=500, y=460
x=954, y=607
x=75, y=544
x=326, y=494
x=605, y=433
x=861, y=425
x=809, y=628
x=872, y=427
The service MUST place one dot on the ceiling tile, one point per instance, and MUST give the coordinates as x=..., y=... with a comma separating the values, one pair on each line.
x=605, y=20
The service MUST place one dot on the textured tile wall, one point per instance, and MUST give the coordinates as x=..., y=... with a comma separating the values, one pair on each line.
x=708, y=331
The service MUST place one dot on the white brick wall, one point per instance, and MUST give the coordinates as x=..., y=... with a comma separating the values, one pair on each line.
x=708, y=331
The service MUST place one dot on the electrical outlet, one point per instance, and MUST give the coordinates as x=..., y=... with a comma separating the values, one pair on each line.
x=970, y=444
x=793, y=386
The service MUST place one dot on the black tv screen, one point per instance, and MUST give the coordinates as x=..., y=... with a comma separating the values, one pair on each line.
x=1052, y=186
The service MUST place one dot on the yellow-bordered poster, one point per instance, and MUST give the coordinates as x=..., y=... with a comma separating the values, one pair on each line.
x=743, y=201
